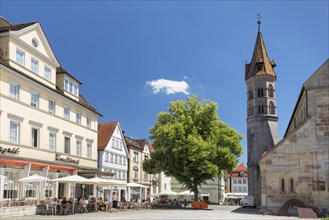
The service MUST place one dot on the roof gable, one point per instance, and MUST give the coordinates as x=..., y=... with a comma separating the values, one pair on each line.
x=34, y=36
x=105, y=132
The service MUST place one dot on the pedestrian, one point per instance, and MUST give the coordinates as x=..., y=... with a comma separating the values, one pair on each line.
x=115, y=201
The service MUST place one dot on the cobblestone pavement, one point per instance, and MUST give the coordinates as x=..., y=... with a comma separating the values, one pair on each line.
x=213, y=212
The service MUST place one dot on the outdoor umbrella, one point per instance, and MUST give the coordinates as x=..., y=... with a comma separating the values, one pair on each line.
x=35, y=178
x=167, y=193
x=135, y=185
x=3, y=177
x=185, y=193
x=105, y=182
x=73, y=179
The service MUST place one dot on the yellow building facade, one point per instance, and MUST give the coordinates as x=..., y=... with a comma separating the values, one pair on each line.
x=46, y=126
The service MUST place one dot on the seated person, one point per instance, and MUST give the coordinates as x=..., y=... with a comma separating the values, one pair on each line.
x=64, y=202
x=101, y=204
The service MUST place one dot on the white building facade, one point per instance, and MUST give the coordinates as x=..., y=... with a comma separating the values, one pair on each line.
x=47, y=127
x=113, y=157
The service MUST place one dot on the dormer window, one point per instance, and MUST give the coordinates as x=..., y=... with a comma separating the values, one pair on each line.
x=71, y=87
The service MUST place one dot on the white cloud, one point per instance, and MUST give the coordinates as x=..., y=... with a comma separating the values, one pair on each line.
x=168, y=86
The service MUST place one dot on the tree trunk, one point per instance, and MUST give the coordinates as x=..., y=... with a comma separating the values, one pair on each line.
x=196, y=193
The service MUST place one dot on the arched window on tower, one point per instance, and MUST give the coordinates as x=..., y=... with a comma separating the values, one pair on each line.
x=261, y=110
x=270, y=91
x=272, y=108
x=260, y=92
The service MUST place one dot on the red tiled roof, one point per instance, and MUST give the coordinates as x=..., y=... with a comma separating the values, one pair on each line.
x=132, y=143
x=61, y=70
x=7, y=26
x=105, y=132
x=141, y=142
x=241, y=168
x=238, y=174
x=151, y=148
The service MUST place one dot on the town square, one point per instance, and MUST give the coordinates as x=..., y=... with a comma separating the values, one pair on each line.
x=164, y=109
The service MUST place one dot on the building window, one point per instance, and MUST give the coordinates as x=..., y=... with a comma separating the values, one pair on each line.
x=14, y=91
x=78, y=118
x=113, y=143
x=270, y=91
x=31, y=190
x=107, y=157
x=120, y=160
x=135, y=158
x=124, y=161
x=136, y=175
x=244, y=189
x=291, y=185
x=235, y=181
x=89, y=150
x=115, y=159
x=67, y=113
x=111, y=158
x=123, y=175
x=34, y=99
x=260, y=92
x=67, y=145
x=47, y=73
x=235, y=189
x=35, y=137
x=272, y=108
x=52, y=141
x=14, y=132
x=20, y=57
x=10, y=189
x=79, y=145
x=244, y=181
x=282, y=185
x=165, y=186
x=51, y=106
x=261, y=109
x=239, y=181
x=34, y=66
x=88, y=122
x=71, y=87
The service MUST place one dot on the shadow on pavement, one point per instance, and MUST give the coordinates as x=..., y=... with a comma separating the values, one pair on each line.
x=247, y=210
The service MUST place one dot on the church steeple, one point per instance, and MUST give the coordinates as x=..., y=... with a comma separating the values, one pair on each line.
x=262, y=118
x=260, y=63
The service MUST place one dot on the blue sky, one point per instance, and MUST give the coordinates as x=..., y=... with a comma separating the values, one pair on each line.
x=135, y=57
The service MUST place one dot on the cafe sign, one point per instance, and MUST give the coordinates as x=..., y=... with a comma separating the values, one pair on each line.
x=70, y=160
x=9, y=150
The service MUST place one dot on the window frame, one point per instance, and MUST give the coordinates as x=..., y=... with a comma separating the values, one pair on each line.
x=21, y=60
x=89, y=150
x=35, y=137
x=54, y=141
x=35, y=67
x=66, y=112
x=53, y=110
x=35, y=99
x=47, y=73
x=17, y=138
x=78, y=147
x=17, y=90
x=67, y=148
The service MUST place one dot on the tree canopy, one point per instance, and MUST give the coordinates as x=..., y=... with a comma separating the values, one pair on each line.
x=192, y=144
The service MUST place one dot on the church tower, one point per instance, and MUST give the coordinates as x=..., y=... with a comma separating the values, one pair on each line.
x=262, y=119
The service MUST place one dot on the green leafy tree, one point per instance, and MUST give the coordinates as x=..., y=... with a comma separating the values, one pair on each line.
x=192, y=144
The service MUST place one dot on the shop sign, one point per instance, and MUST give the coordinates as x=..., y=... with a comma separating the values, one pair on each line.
x=9, y=150
x=70, y=160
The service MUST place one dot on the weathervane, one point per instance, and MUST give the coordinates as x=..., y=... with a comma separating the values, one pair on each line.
x=259, y=16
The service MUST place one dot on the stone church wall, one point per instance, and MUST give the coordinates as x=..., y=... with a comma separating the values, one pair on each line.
x=298, y=166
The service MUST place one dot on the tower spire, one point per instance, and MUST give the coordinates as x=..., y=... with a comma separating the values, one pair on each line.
x=259, y=16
